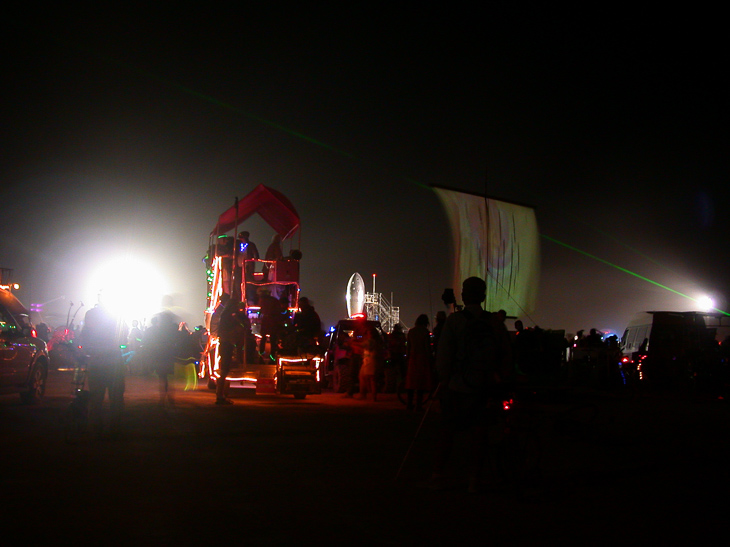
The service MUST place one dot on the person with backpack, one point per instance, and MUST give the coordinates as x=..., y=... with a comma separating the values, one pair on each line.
x=468, y=364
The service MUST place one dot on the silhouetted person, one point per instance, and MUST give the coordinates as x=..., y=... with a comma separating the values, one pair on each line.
x=506, y=366
x=44, y=332
x=198, y=340
x=134, y=341
x=161, y=340
x=101, y=340
x=396, y=366
x=371, y=351
x=134, y=345
x=308, y=325
x=355, y=350
x=467, y=364
x=594, y=339
x=270, y=313
x=224, y=325
x=273, y=252
x=419, y=375
x=437, y=328
x=246, y=250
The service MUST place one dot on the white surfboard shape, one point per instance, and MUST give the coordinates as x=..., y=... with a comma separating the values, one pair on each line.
x=355, y=294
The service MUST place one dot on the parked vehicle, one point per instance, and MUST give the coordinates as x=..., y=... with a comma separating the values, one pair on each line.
x=664, y=347
x=23, y=356
x=342, y=348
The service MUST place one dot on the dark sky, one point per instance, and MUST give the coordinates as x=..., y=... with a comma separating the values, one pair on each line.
x=130, y=132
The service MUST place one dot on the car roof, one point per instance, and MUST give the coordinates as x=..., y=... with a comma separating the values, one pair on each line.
x=12, y=304
x=354, y=321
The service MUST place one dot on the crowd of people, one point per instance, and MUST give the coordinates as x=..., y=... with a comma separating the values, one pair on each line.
x=464, y=361
x=409, y=358
x=157, y=346
x=467, y=362
x=107, y=350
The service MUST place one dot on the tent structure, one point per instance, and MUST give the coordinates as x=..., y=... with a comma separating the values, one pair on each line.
x=271, y=205
x=497, y=241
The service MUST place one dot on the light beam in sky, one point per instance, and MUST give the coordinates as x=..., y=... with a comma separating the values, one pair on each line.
x=252, y=116
x=700, y=301
x=351, y=156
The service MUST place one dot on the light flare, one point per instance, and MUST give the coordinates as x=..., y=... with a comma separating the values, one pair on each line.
x=128, y=286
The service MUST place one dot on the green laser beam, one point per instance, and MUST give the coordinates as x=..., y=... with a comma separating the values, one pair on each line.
x=351, y=156
x=326, y=146
x=594, y=257
x=255, y=117
x=542, y=198
x=316, y=142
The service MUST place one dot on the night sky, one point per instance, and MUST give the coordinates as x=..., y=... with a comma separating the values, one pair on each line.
x=130, y=132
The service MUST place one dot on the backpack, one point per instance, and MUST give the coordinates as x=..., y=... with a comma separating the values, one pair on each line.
x=479, y=363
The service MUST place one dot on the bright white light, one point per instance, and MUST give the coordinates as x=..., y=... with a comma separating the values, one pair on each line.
x=705, y=303
x=128, y=286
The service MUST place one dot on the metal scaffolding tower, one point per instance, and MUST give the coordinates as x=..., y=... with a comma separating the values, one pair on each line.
x=377, y=307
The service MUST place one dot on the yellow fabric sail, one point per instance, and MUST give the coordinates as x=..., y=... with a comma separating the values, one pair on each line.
x=499, y=242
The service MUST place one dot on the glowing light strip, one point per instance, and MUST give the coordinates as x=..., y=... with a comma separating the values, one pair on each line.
x=584, y=253
x=316, y=360
x=217, y=286
x=263, y=283
x=241, y=379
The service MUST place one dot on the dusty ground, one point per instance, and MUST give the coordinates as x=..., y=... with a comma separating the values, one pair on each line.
x=273, y=470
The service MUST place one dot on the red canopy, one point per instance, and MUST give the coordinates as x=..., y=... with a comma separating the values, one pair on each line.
x=273, y=207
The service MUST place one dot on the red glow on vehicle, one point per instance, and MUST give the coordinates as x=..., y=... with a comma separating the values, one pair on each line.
x=359, y=316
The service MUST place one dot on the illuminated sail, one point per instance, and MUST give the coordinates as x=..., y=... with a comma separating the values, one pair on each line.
x=499, y=242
